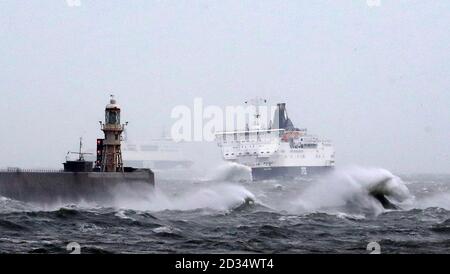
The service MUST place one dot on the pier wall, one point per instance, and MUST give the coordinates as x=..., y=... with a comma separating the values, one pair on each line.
x=69, y=187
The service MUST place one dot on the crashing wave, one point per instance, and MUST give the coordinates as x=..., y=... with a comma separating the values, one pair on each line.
x=232, y=172
x=359, y=190
x=221, y=197
x=9, y=205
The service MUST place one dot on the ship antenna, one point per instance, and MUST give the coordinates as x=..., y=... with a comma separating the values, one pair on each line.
x=81, y=149
x=80, y=152
x=257, y=102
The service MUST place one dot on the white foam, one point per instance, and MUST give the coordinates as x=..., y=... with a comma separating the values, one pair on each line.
x=231, y=172
x=165, y=229
x=221, y=197
x=351, y=189
x=9, y=205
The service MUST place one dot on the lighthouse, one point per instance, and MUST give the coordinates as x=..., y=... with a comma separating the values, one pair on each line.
x=81, y=180
x=111, y=145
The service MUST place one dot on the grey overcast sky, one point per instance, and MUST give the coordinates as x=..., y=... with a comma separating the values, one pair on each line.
x=374, y=79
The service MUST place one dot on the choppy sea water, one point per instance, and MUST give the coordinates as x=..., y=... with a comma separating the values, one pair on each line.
x=229, y=214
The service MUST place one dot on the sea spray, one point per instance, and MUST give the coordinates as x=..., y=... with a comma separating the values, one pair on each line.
x=352, y=190
x=231, y=172
x=9, y=205
x=441, y=200
x=165, y=222
x=220, y=197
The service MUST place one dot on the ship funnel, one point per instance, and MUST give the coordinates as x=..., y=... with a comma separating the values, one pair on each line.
x=281, y=119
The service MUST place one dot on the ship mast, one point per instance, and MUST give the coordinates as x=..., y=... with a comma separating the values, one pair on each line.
x=257, y=102
x=80, y=152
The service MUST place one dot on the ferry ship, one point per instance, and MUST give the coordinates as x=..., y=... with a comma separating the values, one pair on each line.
x=162, y=155
x=278, y=151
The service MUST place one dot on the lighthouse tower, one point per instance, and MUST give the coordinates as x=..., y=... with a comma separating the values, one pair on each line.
x=112, y=153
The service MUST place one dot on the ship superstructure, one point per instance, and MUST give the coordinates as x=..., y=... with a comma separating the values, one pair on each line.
x=279, y=150
x=159, y=154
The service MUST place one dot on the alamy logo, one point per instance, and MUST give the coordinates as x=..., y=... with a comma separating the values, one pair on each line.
x=74, y=247
x=201, y=123
x=373, y=3
x=73, y=3
x=374, y=247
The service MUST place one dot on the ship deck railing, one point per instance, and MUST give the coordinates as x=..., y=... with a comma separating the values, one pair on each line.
x=27, y=170
x=248, y=131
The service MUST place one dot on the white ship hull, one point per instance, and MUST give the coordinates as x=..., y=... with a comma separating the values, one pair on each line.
x=164, y=156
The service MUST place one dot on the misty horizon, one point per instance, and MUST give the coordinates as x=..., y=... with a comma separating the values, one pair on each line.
x=373, y=79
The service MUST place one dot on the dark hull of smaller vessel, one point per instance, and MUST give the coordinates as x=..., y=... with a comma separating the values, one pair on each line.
x=74, y=187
